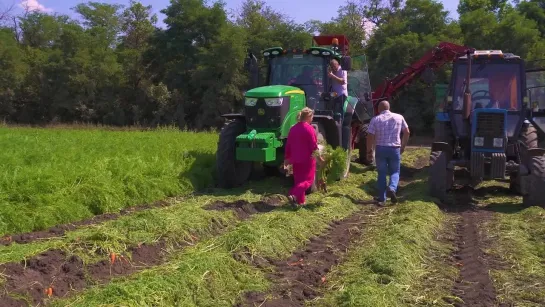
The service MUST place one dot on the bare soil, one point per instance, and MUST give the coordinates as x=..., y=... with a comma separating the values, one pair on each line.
x=66, y=274
x=244, y=209
x=473, y=286
x=301, y=276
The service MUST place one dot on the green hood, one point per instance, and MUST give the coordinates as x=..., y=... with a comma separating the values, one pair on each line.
x=273, y=91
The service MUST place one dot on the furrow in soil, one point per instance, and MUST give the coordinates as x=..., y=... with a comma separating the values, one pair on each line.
x=300, y=277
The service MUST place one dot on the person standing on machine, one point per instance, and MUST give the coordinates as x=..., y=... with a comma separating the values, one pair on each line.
x=339, y=84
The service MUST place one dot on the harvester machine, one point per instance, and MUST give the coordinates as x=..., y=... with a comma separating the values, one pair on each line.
x=489, y=125
x=295, y=78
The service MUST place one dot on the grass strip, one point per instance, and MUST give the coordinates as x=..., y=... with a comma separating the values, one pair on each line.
x=58, y=176
x=389, y=266
x=518, y=250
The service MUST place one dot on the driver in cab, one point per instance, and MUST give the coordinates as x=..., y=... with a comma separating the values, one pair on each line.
x=306, y=82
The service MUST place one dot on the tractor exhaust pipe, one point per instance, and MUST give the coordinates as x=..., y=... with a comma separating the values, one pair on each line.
x=467, y=93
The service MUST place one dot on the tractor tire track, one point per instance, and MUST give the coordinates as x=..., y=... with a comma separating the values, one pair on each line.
x=300, y=277
x=65, y=274
x=473, y=286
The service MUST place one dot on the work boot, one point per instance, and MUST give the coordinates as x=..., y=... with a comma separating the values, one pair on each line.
x=390, y=193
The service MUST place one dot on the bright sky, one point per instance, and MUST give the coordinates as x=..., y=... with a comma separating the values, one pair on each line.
x=300, y=10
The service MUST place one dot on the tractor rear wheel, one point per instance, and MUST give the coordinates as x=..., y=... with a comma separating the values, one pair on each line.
x=362, y=146
x=528, y=136
x=535, y=182
x=440, y=178
x=231, y=173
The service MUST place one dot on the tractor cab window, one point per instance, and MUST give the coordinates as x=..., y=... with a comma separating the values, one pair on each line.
x=303, y=71
x=535, y=83
x=492, y=85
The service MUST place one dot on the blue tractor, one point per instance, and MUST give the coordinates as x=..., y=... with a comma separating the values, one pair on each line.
x=488, y=127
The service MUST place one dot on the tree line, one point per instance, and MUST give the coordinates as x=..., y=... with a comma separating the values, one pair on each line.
x=115, y=66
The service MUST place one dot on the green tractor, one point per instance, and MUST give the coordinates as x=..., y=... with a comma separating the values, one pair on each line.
x=295, y=79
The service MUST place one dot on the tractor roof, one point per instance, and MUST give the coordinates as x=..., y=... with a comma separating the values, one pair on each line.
x=491, y=54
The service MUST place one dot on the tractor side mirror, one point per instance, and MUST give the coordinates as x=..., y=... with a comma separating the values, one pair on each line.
x=346, y=63
x=428, y=76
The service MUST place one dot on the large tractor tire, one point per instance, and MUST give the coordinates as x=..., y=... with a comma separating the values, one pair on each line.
x=231, y=173
x=528, y=137
x=535, y=183
x=362, y=146
x=440, y=178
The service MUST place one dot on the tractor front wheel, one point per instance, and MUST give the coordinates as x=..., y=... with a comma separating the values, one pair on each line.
x=440, y=178
x=231, y=173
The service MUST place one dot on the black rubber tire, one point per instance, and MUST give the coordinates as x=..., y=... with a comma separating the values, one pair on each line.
x=230, y=172
x=529, y=137
x=440, y=179
x=536, y=182
x=362, y=146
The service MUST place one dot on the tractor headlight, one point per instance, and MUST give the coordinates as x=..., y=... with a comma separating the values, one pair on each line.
x=250, y=102
x=498, y=142
x=274, y=102
x=478, y=141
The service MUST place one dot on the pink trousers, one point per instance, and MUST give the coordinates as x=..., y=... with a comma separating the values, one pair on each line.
x=303, y=177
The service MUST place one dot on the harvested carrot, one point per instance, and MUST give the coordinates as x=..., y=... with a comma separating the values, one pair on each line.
x=49, y=291
x=112, y=258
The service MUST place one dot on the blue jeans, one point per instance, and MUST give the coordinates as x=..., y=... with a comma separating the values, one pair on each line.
x=388, y=160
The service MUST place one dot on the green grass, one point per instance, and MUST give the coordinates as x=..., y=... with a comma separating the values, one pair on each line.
x=52, y=176
x=400, y=260
x=517, y=235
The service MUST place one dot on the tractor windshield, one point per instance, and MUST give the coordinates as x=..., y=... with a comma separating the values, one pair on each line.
x=492, y=85
x=303, y=71
x=535, y=83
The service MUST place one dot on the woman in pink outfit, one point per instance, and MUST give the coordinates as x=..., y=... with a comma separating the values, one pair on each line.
x=301, y=145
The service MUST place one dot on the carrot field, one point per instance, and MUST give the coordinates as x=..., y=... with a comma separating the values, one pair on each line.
x=92, y=217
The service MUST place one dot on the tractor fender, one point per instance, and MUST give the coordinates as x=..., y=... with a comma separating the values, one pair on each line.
x=332, y=130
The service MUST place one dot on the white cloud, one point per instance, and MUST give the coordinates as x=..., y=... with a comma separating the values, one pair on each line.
x=34, y=5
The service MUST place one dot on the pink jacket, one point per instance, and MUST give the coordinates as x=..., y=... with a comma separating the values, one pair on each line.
x=301, y=143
